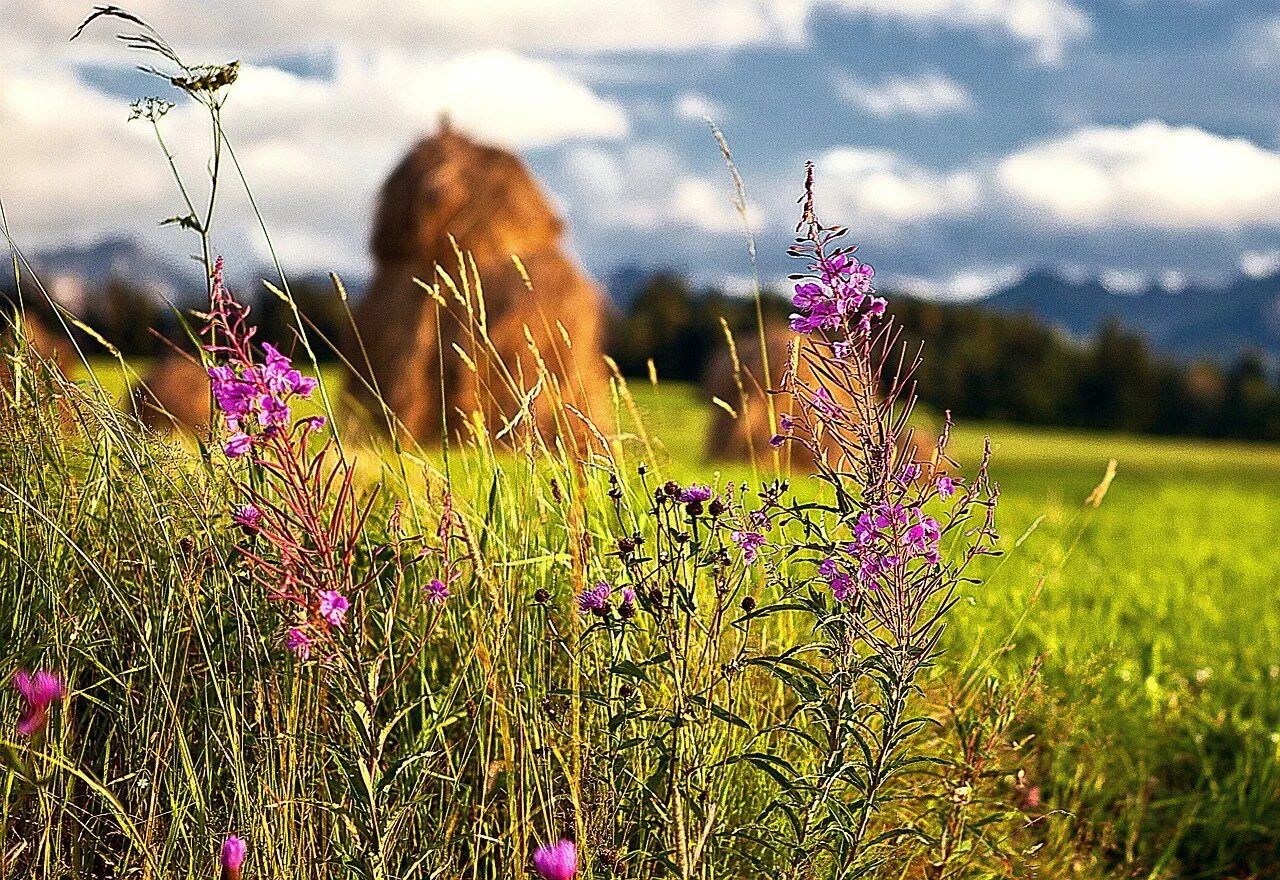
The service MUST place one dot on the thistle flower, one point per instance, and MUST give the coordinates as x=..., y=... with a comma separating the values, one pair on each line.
x=38, y=690
x=234, y=849
x=557, y=861
x=247, y=517
x=695, y=493
x=594, y=600
x=333, y=607
x=437, y=591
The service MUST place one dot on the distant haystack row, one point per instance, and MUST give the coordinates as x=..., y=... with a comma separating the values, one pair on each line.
x=407, y=350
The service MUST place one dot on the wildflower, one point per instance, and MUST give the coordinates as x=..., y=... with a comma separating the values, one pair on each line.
x=922, y=538
x=825, y=406
x=750, y=544
x=837, y=579
x=556, y=861
x=910, y=473
x=314, y=423
x=437, y=591
x=333, y=607
x=38, y=691
x=946, y=486
x=237, y=444
x=247, y=517
x=627, y=609
x=595, y=600
x=695, y=493
x=234, y=850
x=298, y=642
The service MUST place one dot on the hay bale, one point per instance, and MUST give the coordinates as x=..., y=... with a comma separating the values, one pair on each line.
x=492, y=207
x=49, y=354
x=173, y=394
x=738, y=438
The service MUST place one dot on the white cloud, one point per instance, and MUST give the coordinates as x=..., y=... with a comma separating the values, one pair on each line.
x=314, y=150
x=647, y=186
x=698, y=107
x=1260, y=264
x=1048, y=26
x=234, y=27
x=930, y=94
x=879, y=189
x=1151, y=175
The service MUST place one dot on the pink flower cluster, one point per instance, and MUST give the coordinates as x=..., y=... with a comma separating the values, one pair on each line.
x=843, y=297
x=888, y=535
x=556, y=861
x=253, y=398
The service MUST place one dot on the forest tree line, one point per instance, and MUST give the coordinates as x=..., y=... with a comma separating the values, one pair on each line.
x=981, y=364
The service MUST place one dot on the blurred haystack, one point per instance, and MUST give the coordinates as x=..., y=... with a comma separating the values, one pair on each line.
x=174, y=393
x=49, y=355
x=492, y=207
x=738, y=439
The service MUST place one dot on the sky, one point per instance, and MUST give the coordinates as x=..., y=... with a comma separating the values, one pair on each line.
x=963, y=142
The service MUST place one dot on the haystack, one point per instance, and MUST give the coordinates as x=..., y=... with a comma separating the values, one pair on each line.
x=746, y=432
x=489, y=203
x=174, y=393
x=49, y=357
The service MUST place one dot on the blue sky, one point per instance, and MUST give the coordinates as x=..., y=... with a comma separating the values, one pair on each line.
x=963, y=141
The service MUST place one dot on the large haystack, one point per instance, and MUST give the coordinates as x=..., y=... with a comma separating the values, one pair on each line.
x=739, y=438
x=490, y=204
x=174, y=393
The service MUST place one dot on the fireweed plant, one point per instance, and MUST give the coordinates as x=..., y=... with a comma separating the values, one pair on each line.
x=345, y=606
x=679, y=645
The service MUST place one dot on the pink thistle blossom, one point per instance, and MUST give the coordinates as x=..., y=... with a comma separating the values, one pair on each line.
x=333, y=607
x=595, y=600
x=38, y=690
x=234, y=850
x=247, y=517
x=557, y=861
x=695, y=493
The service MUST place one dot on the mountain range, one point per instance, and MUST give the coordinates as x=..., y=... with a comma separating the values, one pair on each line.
x=1214, y=322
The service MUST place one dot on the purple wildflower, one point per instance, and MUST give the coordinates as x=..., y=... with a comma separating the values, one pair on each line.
x=298, y=642
x=237, y=444
x=38, y=690
x=247, y=517
x=333, y=607
x=695, y=493
x=595, y=600
x=825, y=405
x=234, y=849
x=556, y=861
x=750, y=544
x=946, y=486
x=839, y=581
x=437, y=591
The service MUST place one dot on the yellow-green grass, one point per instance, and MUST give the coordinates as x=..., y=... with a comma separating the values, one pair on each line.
x=1155, y=616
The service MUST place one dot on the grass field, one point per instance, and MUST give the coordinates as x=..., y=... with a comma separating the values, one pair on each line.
x=1154, y=723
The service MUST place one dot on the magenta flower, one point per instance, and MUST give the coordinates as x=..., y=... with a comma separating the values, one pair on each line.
x=234, y=849
x=298, y=642
x=38, y=690
x=333, y=607
x=695, y=493
x=750, y=544
x=247, y=517
x=837, y=579
x=237, y=444
x=595, y=600
x=557, y=861
x=437, y=591
x=946, y=486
